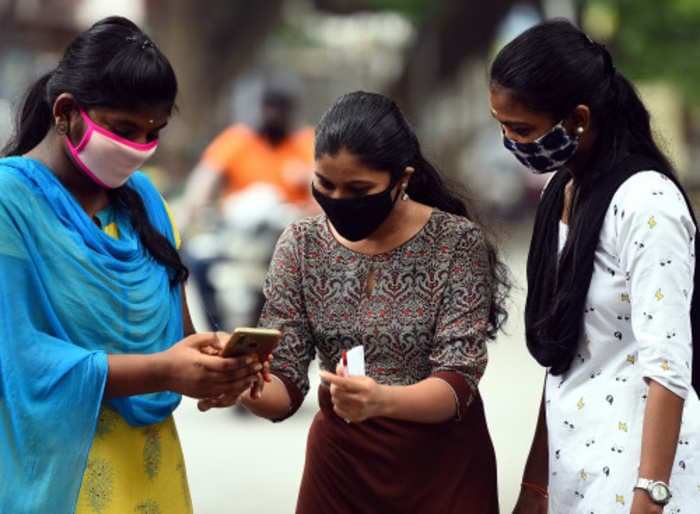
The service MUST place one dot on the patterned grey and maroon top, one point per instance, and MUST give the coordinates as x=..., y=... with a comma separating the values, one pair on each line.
x=427, y=313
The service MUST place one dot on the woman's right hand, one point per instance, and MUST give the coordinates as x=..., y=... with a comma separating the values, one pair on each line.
x=190, y=368
x=530, y=502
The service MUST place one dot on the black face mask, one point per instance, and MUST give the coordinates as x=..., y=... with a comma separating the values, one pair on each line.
x=357, y=218
x=274, y=134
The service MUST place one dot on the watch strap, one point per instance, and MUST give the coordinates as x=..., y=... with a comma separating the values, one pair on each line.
x=648, y=485
x=644, y=483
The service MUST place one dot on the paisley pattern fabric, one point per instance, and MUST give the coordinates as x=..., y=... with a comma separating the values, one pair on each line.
x=420, y=310
x=426, y=312
x=136, y=470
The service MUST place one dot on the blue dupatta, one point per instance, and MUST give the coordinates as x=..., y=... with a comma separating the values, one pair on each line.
x=69, y=295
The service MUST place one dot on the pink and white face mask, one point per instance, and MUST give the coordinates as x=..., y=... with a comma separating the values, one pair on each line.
x=107, y=158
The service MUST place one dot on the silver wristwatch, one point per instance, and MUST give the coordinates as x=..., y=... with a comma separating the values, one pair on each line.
x=657, y=490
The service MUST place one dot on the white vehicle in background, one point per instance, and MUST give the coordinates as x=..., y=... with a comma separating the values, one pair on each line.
x=228, y=261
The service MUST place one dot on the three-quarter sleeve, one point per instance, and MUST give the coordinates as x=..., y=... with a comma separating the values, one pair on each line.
x=656, y=248
x=284, y=309
x=459, y=352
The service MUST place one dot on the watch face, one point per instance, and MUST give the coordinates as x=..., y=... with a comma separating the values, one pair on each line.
x=659, y=492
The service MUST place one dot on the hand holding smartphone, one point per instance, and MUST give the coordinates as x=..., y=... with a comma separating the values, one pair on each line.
x=249, y=340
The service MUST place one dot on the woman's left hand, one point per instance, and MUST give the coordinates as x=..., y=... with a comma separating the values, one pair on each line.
x=229, y=399
x=642, y=504
x=355, y=398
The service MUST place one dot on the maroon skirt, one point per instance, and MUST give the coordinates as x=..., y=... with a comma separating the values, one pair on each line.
x=397, y=467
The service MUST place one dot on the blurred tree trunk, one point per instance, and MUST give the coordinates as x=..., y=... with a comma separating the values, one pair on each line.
x=453, y=32
x=208, y=43
x=579, y=7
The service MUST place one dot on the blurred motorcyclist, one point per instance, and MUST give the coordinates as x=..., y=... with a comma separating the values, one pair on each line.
x=261, y=174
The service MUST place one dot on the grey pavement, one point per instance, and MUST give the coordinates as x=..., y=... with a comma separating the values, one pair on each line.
x=239, y=464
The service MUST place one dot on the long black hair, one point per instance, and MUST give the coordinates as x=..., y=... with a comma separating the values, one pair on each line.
x=552, y=68
x=373, y=129
x=113, y=65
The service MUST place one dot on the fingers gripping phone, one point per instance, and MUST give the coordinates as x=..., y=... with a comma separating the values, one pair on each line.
x=248, y=340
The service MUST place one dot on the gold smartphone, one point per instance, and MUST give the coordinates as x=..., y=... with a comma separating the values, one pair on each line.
x=249, y=340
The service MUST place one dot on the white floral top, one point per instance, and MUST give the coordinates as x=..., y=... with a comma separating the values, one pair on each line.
x=636, y=327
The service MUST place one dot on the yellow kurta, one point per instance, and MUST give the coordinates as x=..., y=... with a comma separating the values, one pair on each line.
x=137, y=470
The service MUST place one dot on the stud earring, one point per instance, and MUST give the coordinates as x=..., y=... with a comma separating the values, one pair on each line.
x=62, y=128
x=579, y=130
x=404, y=195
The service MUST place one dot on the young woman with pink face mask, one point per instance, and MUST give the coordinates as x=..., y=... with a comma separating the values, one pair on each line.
x=96, y=342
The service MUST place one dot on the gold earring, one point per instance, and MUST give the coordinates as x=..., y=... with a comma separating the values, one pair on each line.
x=62, y=128
x=404, y=195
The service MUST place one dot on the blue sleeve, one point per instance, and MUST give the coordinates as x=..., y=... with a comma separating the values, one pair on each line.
x=50, y=390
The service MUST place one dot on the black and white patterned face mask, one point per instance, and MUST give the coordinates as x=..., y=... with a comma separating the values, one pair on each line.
x=546, y=153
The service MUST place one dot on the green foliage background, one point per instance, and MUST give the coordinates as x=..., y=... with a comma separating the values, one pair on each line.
x=656, y=39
